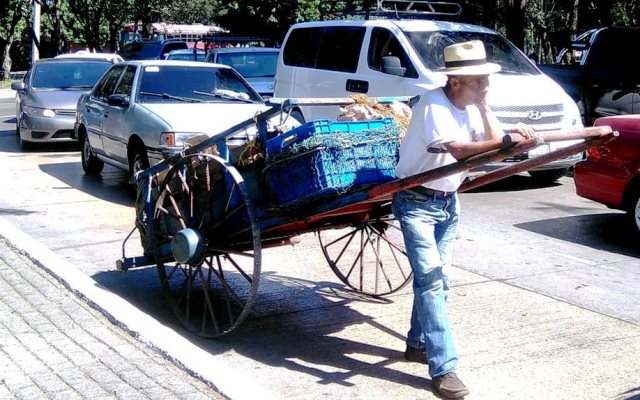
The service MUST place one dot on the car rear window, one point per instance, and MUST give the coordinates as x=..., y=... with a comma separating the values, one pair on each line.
x=68, y=74
x=187, y=56
x=251, y=64
x=141, y=51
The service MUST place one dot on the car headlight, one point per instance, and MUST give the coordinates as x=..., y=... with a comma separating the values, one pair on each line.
x=39, y=112
x=176, y=139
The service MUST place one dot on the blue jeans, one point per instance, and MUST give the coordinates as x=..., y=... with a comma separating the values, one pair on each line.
x=428, y=225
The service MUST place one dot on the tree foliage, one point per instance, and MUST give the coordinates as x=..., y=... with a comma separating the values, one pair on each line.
x=538, y=27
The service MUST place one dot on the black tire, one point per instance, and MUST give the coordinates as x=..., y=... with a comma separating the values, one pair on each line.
x=548, y=176
x=633, y=209
x=25, y=145
x=139, y=160
x=91, y=164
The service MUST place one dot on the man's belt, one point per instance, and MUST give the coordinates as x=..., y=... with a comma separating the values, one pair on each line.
x=430, y=192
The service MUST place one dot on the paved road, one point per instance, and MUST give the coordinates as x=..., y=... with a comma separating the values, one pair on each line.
x=544, y=292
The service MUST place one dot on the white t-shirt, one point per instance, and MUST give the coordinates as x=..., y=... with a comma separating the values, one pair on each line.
x=436, y=121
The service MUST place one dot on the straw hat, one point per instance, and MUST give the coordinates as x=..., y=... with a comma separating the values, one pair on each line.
x=467, y=58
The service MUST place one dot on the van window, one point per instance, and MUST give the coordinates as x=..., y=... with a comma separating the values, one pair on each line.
x=385, y=43
x=430, y=47
x=330, y=48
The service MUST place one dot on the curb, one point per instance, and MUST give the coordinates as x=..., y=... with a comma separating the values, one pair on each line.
x=138, y=324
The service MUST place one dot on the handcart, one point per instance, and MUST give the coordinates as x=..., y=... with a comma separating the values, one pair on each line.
x=204, y=218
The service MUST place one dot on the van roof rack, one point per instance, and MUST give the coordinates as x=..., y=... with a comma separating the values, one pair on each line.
x=399, y=9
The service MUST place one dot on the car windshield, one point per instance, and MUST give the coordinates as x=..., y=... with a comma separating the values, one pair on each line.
x=174, y=84
x=251, y=64
x=186, y=56
x=68, y=74
x=430, y=47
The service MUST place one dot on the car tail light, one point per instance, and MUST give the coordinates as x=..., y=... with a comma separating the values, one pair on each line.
x=597, y=153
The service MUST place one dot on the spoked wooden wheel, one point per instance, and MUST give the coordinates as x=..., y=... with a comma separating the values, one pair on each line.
x=207, y=245
x=369, y=257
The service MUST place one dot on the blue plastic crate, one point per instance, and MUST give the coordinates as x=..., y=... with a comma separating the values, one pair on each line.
x=328, y=172
x=297, y=135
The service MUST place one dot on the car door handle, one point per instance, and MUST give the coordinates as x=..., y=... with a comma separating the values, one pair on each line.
x=106, y=115
x=357, y=86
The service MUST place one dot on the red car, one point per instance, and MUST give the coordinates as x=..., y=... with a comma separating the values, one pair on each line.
x=611, y=174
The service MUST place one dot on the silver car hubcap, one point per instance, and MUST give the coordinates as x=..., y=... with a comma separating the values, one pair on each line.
x=87, y=150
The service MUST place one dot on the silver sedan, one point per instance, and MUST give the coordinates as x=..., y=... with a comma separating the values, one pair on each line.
x=47, y=97
x=143, y=111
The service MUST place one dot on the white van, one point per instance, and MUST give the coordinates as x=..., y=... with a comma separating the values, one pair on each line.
x=397, y=57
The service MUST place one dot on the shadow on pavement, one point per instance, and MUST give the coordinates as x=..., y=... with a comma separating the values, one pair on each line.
x=293, y=325
x=613, y=232
x=112, y=185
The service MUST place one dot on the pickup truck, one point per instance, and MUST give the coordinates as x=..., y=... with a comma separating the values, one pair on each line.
x=606, y=81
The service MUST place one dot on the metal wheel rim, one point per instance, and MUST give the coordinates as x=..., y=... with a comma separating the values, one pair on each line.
x=86, y=150
x=215, y=296
x=382, y=271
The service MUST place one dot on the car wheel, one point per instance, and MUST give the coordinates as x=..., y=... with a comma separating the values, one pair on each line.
x=548, y=176
x=634, y=208
x=24, y=145
x=139, y=160
x=91, y=164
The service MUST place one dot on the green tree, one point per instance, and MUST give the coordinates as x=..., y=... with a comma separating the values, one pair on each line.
x=12, y=23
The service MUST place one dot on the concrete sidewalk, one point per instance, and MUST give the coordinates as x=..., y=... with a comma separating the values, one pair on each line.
x=53, y=345
x=7, y=94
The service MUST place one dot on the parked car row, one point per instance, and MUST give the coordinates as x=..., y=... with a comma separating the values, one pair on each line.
x=141, y=111
x=256, y=64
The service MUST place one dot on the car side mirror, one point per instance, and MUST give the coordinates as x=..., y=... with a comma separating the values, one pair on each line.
x=118, y=100
x=18, y=86
x=391, y=65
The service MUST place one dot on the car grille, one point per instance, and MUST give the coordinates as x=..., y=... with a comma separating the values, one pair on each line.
x=537, y=116
x=63, y=134
x=71, y=113
x=38, y=134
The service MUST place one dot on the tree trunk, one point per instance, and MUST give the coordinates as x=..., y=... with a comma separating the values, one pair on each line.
x=6, y=53
x=113, y=37
x=6, y=58
x=515, y=22
x=573, y=20
x=489, y=13
x=604, y=11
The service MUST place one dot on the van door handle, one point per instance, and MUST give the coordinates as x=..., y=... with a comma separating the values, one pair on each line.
x=357, y=86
